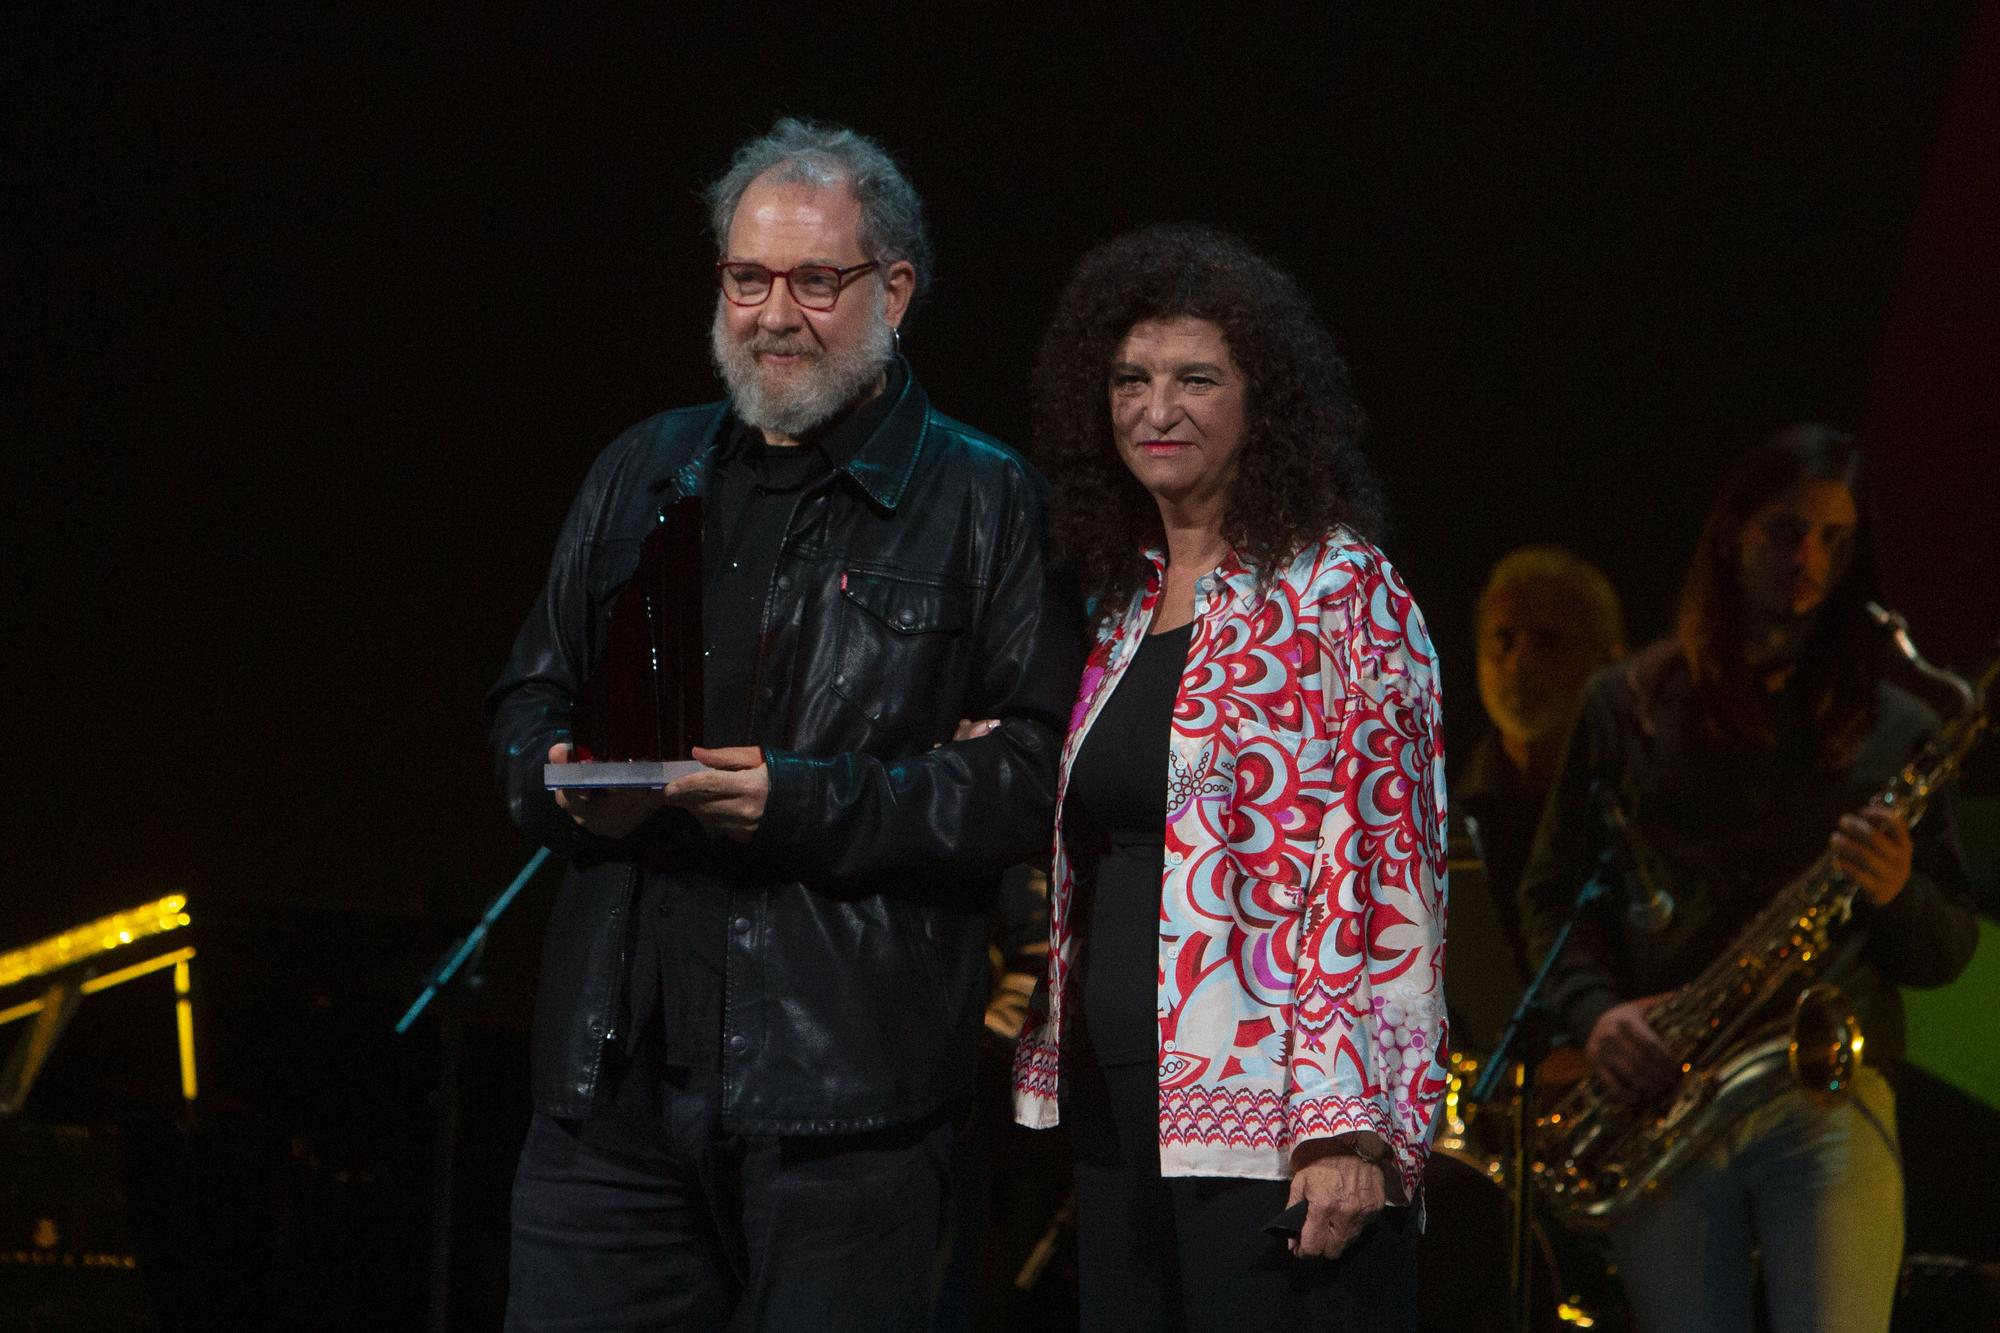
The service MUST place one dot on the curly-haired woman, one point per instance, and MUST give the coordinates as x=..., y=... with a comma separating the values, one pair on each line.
x=1243, y=1007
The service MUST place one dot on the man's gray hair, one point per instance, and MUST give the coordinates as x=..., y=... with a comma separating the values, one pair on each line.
x=803, y=152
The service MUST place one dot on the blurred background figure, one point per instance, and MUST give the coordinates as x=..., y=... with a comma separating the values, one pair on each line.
x=1757, y=739
x=1010, y=1260
x=1545, y=621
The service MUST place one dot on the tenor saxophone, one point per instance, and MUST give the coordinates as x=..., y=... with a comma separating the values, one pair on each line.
x=1597, y=1159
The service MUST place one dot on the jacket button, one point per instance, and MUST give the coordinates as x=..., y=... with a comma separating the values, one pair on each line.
x=738, y=1042
x=784, y=582
x=742, y=924
x=906, y=618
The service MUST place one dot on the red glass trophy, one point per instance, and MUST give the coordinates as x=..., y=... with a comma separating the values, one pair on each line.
x=639, y=714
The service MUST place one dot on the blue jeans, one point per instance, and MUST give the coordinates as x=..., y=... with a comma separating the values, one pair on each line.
x=1819, y=1195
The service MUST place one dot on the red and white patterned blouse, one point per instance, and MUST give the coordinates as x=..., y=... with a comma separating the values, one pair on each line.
x=1302, y=904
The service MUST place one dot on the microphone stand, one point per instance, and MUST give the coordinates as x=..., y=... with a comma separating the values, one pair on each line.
x=1520, y=1286
x=454, y=974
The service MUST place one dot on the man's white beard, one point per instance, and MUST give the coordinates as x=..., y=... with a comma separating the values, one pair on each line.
x=791, y=401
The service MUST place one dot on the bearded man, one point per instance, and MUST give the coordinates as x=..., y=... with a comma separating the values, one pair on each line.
x=762, y=985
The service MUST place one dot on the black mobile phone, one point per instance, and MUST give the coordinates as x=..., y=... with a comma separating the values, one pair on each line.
x=1288, y=1224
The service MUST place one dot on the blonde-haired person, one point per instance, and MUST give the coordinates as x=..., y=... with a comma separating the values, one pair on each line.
x=1545, y=622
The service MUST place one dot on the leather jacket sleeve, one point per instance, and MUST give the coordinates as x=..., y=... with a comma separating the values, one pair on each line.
x=530, y=706
x=972, y=807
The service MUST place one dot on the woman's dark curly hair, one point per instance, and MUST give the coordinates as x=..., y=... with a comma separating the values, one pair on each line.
x=1301, y=471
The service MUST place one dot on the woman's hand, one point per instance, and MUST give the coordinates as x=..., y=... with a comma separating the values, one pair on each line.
x=1343, y=1195
x=1872, y=847
x=1628, y=1055
x=968, y=730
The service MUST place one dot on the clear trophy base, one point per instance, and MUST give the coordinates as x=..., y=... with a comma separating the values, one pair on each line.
x=640, y=774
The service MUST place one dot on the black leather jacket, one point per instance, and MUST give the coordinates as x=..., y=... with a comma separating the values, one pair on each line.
x=912, y=591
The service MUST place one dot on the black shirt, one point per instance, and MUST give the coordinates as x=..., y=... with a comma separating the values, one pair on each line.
x=1495, y=808
x=1118, y=796
x=674, y=995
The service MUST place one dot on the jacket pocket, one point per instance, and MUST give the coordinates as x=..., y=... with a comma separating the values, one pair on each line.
x=898, y=637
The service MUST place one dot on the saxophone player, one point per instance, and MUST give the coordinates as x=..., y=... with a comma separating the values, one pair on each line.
x=1741, y=748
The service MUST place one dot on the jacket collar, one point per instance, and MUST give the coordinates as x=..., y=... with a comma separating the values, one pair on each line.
x=1237, y=574
x=881, y=465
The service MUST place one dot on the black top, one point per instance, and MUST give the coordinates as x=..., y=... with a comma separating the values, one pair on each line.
x=1118, y=816
x=755, y=489
x=753, y=493
x=1494, y=810
x=1506, y=805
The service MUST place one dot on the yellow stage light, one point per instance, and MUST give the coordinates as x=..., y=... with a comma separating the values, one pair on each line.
x=79, y=944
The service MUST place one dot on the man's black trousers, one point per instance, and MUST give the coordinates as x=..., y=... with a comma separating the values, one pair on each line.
x=814, y=1233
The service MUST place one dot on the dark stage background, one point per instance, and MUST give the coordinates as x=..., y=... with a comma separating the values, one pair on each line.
x=320, y=316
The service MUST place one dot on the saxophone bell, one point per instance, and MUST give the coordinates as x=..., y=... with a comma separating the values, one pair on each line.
x=1824, y=1052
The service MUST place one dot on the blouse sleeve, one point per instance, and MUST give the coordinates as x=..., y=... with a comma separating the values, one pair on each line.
x=1368, y=1037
